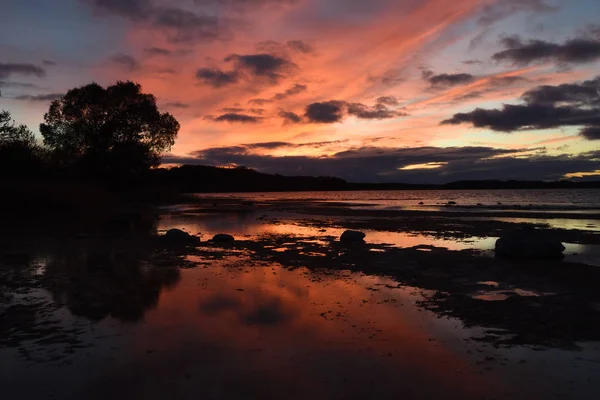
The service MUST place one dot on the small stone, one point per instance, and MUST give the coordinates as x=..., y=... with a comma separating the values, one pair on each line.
x=528, y=244
x=352, y=236
x=179, y=237
x=223, y=238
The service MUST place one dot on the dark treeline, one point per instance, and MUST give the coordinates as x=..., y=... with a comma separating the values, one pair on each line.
x=205, y=179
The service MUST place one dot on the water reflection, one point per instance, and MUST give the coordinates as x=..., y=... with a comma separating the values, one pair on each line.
x=98, y=283
x=251, y=225
x=49, y=281
x=266, y=332
x=237, y=328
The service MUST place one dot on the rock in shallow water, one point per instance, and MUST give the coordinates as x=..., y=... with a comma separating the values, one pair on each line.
x=352, y=236
x=177, y=236
x=223, y=238
x=528, y=245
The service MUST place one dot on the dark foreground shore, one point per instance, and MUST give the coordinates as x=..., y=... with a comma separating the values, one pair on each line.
x=422, y=309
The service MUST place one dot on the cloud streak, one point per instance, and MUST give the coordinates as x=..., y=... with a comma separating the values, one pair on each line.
x=41, y=97
x=9, y=69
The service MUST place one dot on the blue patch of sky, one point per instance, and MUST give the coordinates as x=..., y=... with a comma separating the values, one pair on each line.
x=62, y=29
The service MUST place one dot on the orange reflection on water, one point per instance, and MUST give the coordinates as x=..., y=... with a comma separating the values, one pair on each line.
x=330, y=336
x=247, y=225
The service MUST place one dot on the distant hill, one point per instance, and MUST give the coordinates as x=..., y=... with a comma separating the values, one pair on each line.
x=207, y=179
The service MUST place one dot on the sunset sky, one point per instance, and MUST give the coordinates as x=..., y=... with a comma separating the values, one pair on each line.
x=379, y=90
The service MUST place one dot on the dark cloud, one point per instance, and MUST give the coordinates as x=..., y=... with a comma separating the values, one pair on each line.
x=327, y=112
x=576, y=104
x=260, y=102
x=41, y=97
x=127, y=62
x=290, y=117
x=502, y=9
x=134, y=9
x=573, y=51
x=49, y=63
x=293, y=91
x=472, y=62
x=300, y=46
x=243, y=149
x=262, y=65
x=239, y=110
x=238, y=118
x=379, y=111
x=265, y=145
x=584, y=93
x=179, y=25
x=591, y=133
x=334, y=111
x=511, y=118
x=249, y=67
x=217, y=78
x=183, y=26
x=373, y=164
x=157, y=51
x=9, y=69
x=447, y=80
x=388, y=101
x=177, y=104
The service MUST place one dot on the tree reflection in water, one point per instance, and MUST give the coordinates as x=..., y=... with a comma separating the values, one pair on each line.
x=114, y=271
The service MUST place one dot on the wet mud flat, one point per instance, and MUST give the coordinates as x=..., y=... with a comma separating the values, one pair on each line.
x=289, y=309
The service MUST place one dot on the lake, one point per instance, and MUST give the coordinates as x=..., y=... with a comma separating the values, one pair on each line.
x=422, y=310
x=536, y=199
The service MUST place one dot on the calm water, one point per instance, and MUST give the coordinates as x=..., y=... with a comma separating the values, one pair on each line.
x=236, y=329
x=558, y=199
x=96, y=319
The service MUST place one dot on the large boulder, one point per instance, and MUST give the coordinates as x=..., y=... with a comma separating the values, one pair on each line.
x=179, y=237
x=528, y=244
x=352, y=237
x=223, y=238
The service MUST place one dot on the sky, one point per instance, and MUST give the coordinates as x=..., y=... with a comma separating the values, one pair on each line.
x=420, y=91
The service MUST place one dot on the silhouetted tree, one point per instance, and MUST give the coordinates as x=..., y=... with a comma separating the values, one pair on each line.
x=19, y=154
x=11, y=133
x=116, y=131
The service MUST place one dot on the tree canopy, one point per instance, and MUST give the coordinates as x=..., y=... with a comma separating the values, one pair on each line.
x=19, y=154
x=117, y=129
x=12, y=134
